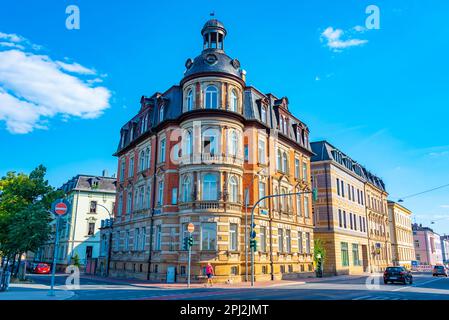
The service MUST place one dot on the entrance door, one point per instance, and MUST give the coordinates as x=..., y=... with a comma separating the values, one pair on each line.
x=171, y=271
x=365, y=258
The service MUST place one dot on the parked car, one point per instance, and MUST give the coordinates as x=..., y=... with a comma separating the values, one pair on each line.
x=42, y=268
x=397, y=274
x=439, y=271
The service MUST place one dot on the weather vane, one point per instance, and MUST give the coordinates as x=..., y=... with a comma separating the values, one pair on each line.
x=212, y=13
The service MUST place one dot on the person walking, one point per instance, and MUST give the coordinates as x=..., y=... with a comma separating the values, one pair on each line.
x=209, y=274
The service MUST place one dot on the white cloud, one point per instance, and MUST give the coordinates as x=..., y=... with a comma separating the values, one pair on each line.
x=35, y=88
x=333, y=39
x=445, y=206
x=75, y=68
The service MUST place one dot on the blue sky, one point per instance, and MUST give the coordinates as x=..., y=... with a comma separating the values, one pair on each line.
x=383, y=98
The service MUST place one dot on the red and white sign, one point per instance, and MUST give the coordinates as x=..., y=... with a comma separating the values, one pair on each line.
x=60, y=208
x=190, y=227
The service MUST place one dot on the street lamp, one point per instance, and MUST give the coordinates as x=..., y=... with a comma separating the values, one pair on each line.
x=246, y=222
x=110, y=237
x=315, y=195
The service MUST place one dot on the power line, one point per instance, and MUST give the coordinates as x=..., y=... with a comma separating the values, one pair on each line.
x=419, y=193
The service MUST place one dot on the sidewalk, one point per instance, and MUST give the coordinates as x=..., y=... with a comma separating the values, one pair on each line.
x=257, y=284
x=34, y=292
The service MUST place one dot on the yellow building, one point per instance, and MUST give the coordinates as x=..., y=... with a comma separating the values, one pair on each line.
x=401, y=234
x=340, y=215
x=378, y=224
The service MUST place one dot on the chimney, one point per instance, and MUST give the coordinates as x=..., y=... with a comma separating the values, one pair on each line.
x=243, y=73
x=105, y=173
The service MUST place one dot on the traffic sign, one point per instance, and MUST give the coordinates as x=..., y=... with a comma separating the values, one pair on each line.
x=190, y=227
x=60, y=208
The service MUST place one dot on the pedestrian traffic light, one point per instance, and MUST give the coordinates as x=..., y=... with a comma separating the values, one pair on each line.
x=315, y=194
x=190, y=241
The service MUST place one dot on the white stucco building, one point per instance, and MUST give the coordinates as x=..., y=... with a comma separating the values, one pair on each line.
x=91, y=200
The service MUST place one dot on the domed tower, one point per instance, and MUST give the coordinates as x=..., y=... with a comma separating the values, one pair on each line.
x=211, y=164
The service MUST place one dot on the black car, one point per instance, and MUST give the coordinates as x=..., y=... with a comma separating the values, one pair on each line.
x=439, y=271
x=398, y=274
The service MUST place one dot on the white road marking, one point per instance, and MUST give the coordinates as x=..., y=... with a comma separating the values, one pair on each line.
x=416, y=285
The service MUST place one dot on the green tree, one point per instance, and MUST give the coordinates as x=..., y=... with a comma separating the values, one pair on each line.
x=319, y=254
x=76, y=260
x=25, y=202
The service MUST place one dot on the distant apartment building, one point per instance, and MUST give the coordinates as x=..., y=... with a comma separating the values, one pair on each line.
x=401, y=234
x=445, y=248
x=427, y=245
x=91, y=200
x=340, y=213
x=378, y=225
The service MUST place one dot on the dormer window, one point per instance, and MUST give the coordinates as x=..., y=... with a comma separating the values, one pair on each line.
x=211, y=97
x=161, y=114
x=263, y=114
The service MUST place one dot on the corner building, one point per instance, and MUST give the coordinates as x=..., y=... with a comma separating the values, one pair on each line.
x=196, y=154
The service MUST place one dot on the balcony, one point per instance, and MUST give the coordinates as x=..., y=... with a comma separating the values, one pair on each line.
x=210, y=159
x=210, y=206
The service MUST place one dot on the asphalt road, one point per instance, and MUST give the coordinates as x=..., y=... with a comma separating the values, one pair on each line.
x=425, y=287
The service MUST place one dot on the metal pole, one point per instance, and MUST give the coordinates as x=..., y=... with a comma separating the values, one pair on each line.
x=188, y=265
x=55, y=254
x=252, y=223
x=246, y=234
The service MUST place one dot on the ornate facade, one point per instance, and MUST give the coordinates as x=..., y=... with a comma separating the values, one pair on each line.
x=198, y=153
x=401, y=234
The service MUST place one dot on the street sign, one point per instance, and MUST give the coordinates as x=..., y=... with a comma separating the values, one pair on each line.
x=60, y=208
x=190, y=227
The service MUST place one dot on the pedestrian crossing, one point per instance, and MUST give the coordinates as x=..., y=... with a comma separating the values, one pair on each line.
x=383, y=298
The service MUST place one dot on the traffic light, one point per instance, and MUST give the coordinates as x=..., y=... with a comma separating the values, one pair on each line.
x=190, y=241
x=315, y=194
x=186, y=243
x=253, y=244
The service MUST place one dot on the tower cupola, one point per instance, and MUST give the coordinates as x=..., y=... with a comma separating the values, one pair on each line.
x=213, y=34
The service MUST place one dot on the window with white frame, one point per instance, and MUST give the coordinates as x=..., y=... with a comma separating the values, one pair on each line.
x=122, y=169
x=208, y=236
x=300, y=243
x=162, y=150
x=306, y=206
x=186, y=189
x=210, y=141
x=131, y=167
x=261, y=151
x=263, y=239
x=161, y=113
x=281, y=240
x=262, y=194
x=147, y=158
x=142, y=161
x=190, y=100
x=234, y=145
x=233, y=189
x=233, y=235
x=160, y=193
x=234, y=101
x=136, y=239
x=210, y=191
x=141, y=197
x=158, y=236
x=298, y=204
x=296, y=168
x=285, y=162
x=143, y=238
x=288, y=241
x=174, y=196
x=263, y=114
x=211, y=97
x=308, y=243
x=120, y=204
x=279, y=160
x=188, y=146
x=127, y=240
x=129, y=200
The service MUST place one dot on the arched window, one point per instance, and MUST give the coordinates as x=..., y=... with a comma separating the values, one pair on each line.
x=188, y=146
x=279, y=162
x=142, y=161
x=234, y=101
x=211, y=97
x=210, y=141
x=233, y=189
x=161, y=114
x=276, y=200
x=210, y=187
x=285, y=162
x=234, y=146
x=186, y=189
x=190, y=100
x=147, y=158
